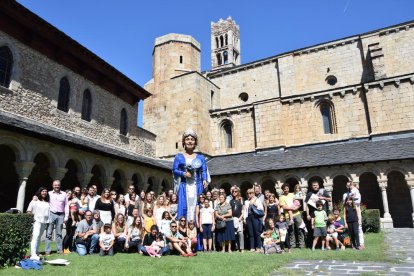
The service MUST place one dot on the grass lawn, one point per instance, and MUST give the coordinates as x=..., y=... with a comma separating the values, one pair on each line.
x=204, y=264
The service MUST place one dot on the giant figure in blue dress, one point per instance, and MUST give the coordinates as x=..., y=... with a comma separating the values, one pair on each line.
x=190, y=175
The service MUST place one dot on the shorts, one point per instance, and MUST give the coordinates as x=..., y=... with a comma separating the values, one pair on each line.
x=206, y=231
x=333, y=235
x=319, y=232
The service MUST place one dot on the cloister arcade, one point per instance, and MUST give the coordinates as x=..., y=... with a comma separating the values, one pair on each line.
x=387, y=186
x=28, y=163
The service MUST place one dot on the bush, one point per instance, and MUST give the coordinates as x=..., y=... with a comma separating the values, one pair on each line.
x=371, y=220
x=15, y=234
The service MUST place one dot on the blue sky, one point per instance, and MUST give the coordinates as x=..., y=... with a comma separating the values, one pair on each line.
x=122, y=32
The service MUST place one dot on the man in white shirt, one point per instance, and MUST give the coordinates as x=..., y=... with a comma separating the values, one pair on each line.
x=92, y=198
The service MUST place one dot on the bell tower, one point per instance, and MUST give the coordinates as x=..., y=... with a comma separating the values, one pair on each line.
x=225, y=44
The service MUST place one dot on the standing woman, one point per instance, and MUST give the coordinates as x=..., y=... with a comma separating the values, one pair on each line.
x=120, y=206
x=130, y=205
x=191, y=170
x=40, y=210
x=148, y=203
x=253, y=222
x=223, y=213
x=105, y=205
x=159, y=209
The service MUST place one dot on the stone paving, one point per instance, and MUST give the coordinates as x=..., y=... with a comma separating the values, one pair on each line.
x=400, y=248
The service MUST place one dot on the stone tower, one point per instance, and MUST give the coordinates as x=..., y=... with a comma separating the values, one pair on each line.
x=225, y=44
x=181, y=95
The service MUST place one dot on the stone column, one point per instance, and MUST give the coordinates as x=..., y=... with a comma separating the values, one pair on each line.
x=57, y=173
x=84, y=179
x=278, y=187
x=23, y=169
x=386, y=221
x=410, y=183
x=329, y=188
x=107, y=182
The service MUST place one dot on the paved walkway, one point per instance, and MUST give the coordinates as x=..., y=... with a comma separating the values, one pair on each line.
x=401, y=248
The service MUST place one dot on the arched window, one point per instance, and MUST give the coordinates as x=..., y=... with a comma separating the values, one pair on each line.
x=227, y=134
x=218, y=59
x=6, y=64
x=328, y=117
x=64, y=91
x=87, y=105
x=123, y=128
x=217, y=42
x=221, y=41
x=225, y=57
x=226, y=40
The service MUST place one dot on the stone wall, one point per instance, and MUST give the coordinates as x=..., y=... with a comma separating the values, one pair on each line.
x=391, y=106
x=33, y=93
x=260, y=83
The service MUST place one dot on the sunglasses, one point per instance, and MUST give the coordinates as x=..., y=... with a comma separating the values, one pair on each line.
x=113, y=194
x=174, y=226
x=182, y=220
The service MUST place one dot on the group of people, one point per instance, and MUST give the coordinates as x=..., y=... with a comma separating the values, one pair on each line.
x=191, y=217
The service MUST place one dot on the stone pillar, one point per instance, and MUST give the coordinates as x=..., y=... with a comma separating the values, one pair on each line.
x=23, y=169
x=107, y=182
x=410, y=183
x=57, y=173
x=84, y=179
x=304, y=185
x=386, y=221
x=278, y=187
x=329, y=188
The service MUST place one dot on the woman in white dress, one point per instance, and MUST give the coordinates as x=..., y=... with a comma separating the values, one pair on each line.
x=40, y=210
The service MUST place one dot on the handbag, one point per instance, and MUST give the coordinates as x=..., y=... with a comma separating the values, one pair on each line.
x=257, y=213
x=220, y=224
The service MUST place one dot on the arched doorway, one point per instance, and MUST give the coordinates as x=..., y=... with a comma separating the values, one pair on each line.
x=137, y=182
x=117, y=185
x=9, y=179
x=315, y=178
x=165, y=186
x=269, y=184
x=244, y=187
x=70, y=180
x=370, y=192
x=150, y=185
x=339, y=188
x=399, y=200
x=38, y=178
x=96, y=178
x=226, y=186
x=292, y=183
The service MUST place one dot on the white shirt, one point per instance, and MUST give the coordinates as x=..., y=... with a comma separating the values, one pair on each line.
x=40, y=210
x=206, y=215
x=354, y=192
x=92, y=202
x=247, y=205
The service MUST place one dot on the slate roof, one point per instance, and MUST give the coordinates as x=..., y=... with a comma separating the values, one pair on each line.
x=36, y=129
x=350, y=152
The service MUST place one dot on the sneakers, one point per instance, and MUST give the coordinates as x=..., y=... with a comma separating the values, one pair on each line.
x=66, y=251
x=35, y=257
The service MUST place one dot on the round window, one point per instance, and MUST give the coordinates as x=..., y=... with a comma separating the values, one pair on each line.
x=244, y=97
x=331, y=80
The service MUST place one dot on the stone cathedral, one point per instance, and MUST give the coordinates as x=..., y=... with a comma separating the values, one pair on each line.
x=331, y=112
x=335, y=111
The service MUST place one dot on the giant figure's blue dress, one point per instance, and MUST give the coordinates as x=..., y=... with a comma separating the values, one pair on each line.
x=179, y=169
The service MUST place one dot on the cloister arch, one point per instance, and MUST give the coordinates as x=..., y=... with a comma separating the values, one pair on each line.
x=70, y=179
x=399, y=199
x=119, y=182
x=9, y=179
x=39, y=177
x=339, y=188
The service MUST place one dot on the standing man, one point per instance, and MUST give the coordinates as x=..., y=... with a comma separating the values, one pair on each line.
x=59, y=212
x=92, y=197
x=315, y=194
x=286, y=203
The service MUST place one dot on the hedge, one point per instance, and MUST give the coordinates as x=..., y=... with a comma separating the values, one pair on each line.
x=371, y=220
x=15, y=234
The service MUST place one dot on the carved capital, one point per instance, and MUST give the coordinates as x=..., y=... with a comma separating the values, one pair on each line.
x=57, y=173
x=383, y=184
x=24, y=169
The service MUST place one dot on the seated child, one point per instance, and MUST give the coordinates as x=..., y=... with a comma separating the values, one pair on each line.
x=332, y=235
x=154, y=249
x=106, y=241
